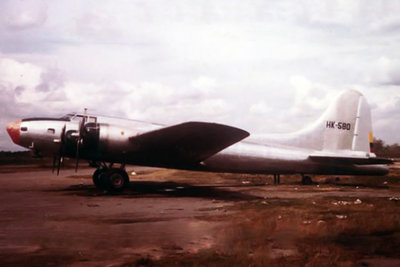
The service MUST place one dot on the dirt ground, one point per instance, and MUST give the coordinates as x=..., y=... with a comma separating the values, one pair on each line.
x=180, y=218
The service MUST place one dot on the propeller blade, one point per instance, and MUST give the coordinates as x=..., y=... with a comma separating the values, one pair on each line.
x=77, y=155
x=60, y=160
x=78, y=142
x=54, y=163
x=61, y=150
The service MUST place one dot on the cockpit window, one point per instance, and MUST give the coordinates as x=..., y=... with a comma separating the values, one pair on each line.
x=67, y=117
x=79, y=117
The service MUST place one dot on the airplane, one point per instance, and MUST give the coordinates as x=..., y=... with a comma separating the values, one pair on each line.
x=340, y=142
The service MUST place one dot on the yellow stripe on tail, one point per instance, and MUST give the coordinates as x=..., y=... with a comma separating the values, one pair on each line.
x=371, y=142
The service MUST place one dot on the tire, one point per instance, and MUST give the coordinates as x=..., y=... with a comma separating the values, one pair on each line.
x=115, y=180
x=97, y=175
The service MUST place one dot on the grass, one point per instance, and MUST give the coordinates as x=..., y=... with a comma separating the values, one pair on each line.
x=282, y=232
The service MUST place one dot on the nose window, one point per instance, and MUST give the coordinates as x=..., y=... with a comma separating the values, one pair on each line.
x=24, y=129
x=51, y=131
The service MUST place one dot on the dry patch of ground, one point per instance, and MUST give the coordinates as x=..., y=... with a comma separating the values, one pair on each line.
x=179, y=218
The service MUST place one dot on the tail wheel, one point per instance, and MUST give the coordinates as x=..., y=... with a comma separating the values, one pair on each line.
x=115, y=180
x=306, y=180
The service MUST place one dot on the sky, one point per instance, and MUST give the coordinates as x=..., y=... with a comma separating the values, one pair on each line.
x=264, y=66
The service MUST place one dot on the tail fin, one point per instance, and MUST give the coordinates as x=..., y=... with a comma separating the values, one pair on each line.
x=348, y=124
x=345, y=126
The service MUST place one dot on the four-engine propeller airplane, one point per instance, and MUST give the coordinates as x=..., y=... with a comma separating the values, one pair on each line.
x=339, y=142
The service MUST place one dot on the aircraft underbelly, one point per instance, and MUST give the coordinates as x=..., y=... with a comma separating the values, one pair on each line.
x=248, y=158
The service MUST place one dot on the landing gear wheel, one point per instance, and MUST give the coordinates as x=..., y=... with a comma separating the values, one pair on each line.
x=115, y=180
x=97, y=178
x=306, y=180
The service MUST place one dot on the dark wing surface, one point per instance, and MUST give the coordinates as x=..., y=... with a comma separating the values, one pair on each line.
x=186, y=143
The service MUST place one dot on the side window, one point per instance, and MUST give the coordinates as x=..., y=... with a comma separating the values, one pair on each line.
x=51, y=131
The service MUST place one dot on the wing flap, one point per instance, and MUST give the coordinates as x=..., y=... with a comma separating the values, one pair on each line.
x=189, y=142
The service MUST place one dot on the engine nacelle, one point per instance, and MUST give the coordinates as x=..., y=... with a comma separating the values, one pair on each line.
x=104, y=141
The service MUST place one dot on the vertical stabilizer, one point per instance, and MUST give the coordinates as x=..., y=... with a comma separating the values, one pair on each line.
x=347, y=123
x=344, y=126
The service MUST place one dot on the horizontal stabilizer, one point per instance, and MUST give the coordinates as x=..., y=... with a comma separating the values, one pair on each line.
x=186, y=143
x=351, y=160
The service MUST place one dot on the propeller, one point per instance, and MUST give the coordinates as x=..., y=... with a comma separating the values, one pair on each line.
x=54, y=163
x=79, y=141
x=61, y=149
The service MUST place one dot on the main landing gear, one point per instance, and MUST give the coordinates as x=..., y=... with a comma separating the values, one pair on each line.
x=113, y=180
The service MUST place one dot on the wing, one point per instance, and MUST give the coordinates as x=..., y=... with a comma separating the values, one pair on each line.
x=186, y=143
x=350, y=160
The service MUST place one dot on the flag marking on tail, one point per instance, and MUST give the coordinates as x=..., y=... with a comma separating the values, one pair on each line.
x=371, y=142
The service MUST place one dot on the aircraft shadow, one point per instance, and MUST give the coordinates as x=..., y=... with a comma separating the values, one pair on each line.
x=141, y=189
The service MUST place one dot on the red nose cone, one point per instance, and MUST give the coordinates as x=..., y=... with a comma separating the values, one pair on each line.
x=13, y=131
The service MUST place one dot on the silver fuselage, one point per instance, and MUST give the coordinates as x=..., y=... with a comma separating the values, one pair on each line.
x=109, y=141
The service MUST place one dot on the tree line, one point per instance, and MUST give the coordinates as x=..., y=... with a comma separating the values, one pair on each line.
x=386, y=151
